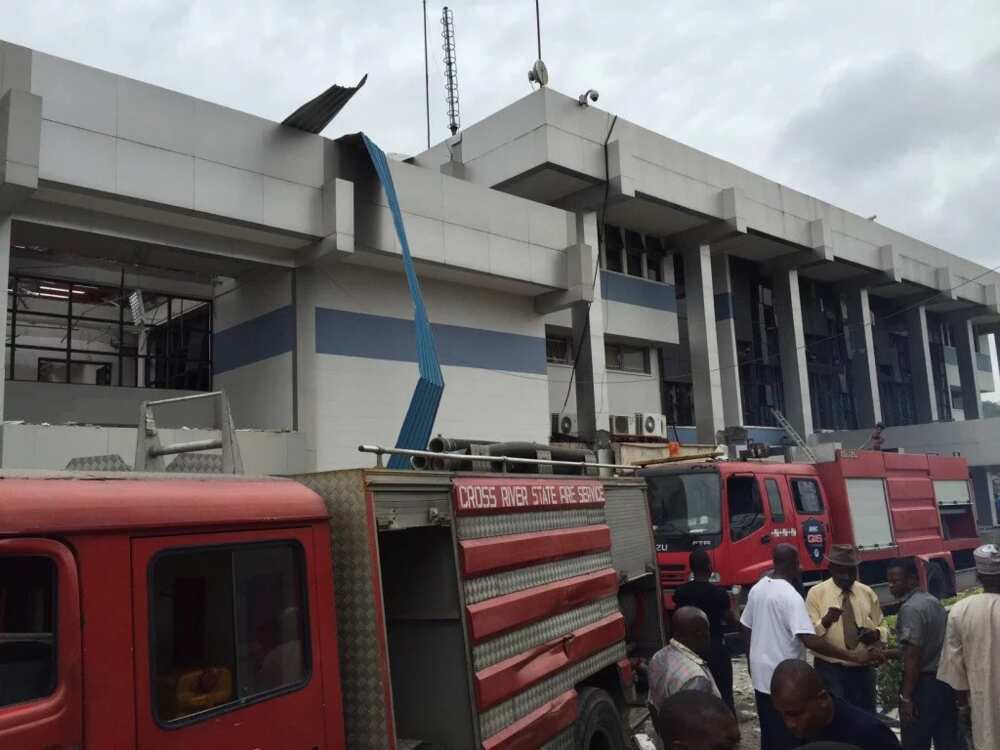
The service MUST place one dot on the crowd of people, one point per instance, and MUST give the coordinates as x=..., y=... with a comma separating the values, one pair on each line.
x=949, y=693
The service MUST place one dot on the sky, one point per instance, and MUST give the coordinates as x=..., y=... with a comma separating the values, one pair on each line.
x=886, y=108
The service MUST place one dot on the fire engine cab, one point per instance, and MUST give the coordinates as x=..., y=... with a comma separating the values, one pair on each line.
x=886, y=504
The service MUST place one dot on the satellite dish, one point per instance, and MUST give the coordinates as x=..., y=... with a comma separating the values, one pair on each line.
x=539, y=73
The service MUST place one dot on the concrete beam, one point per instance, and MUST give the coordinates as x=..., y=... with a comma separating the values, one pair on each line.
x=792, y=346
x=581, y=267
x=888, y=274
x=730, y=226
x=338, y=224
x=592, y=408
x=709, y=414
x=945, y=283
x=621, y=169
x=20, y=147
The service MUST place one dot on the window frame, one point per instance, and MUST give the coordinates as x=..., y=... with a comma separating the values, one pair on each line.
x=795, y=496
x=60, y=713
x=237, y=703
x=53, y=682
x=70, y=318
x=754, y=487
x=770, y=482
x=619, y=348
x=568, y=341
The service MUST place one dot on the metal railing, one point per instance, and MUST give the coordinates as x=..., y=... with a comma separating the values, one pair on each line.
x=504, y=461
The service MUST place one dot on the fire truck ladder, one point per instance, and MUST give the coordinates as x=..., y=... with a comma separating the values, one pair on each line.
x=794, y=434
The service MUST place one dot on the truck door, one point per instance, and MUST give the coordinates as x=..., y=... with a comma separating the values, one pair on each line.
x=225, y=642
x=40, y=678
x=749, y=528
x=813, y=525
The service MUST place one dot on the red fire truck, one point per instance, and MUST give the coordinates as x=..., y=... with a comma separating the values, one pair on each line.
x=887, y=504
x=344, y=609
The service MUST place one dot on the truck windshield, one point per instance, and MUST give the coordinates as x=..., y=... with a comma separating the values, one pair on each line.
x=682, y=504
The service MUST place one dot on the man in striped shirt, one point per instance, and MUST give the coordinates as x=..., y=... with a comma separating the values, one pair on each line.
x=681, y=665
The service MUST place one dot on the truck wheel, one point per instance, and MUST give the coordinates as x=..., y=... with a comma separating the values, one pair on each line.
x=598, y=725
x=937, y=584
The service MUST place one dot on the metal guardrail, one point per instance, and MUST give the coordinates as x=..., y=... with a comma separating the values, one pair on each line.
x=379, y=452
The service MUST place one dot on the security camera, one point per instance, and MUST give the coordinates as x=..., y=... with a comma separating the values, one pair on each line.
x=591, y=94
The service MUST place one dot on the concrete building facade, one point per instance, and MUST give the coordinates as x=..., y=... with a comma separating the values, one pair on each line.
x=573, y=264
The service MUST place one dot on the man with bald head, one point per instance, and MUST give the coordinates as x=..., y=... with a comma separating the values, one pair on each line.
x=778, y=627
x=681, y=665
x=812, y=714
x=696, y=720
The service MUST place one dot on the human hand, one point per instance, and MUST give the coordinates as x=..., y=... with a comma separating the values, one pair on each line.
x=870, y=637
x=832, y=615
x=868, y=657
x=907, y=711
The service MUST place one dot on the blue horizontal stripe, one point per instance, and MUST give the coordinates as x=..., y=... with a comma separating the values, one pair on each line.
x=352, y=334
x=632, y=290
x=983, y=362
x=259, y=338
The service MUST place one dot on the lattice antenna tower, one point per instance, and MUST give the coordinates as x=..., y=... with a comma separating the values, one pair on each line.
x=450, y=68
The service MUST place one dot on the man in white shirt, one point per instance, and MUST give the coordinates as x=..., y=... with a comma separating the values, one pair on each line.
x=777, y=626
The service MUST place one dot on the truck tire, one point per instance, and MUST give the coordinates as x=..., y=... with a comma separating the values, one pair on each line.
x=598, y=725
x=937, y=583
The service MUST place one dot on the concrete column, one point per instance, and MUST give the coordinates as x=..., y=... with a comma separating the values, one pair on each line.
x=725, y=328
x=864, y=370
x=703, y=343
x=792, y=346
x=5, y=243
x=967, y=367
x=592, y=410
x=924, y=392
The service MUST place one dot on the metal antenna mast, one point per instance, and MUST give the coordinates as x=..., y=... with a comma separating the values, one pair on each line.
x=450, y=68
x=427, y=81
x=538, y=29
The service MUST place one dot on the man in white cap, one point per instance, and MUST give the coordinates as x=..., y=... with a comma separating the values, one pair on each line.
x=970, y=660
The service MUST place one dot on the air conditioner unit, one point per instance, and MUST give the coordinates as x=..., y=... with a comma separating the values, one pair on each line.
x=622, y=424
x=651, y=425
x=565, y=424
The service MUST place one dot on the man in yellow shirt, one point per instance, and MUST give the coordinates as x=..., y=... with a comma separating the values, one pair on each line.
x=846, y=613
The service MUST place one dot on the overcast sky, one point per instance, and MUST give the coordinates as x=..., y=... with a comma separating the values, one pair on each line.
x=887, y=108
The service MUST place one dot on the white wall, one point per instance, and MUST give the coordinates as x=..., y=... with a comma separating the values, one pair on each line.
x=628, y=392
x=348, y=400
x=26, y=446
x=260, y=392
x=976, y=439
x=59, y=403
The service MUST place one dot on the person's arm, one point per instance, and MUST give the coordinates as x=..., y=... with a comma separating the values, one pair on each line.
x=878, y=622
x=951, y=668
x=747, y=634
x=911, y=673
x=824, y=648
x=823, y=615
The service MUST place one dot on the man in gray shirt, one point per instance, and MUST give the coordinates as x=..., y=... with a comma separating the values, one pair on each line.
x=926, y=705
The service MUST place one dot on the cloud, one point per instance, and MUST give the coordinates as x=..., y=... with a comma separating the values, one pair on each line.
x=903, y=107
x=870, y=108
